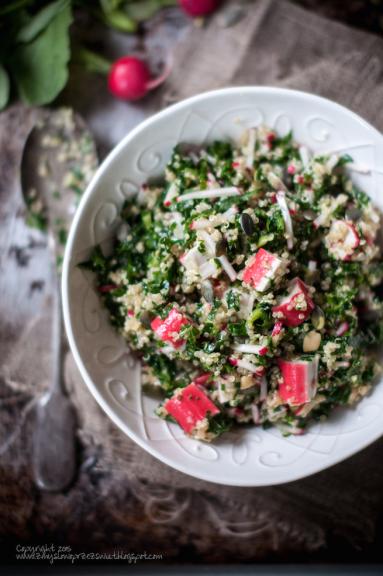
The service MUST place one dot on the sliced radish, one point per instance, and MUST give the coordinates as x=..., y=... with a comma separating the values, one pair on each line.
x=171, y=194
x=276, y=182
x=251, y=148
x=211, y=193
x=168, y=330
x=245, y=364
x=296, y=307
x=210, y=244
x=214, y=221
x=246, y=303
x=262, y=269
x=299, y=380
x=251, y=349
x=208, y=269
x=304, y=155
x=255, y=414
x=193, y=259
x=277, y=329
x=190, y=405
x=342, y=239
x=342, y=329
x=228, y=267
x=282, y=203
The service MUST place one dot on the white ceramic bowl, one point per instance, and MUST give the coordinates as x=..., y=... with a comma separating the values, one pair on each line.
x=253, y=457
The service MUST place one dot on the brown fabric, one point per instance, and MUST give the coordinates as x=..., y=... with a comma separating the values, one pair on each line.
x=123, y=497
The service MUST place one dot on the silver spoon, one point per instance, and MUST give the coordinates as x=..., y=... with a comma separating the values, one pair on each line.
x=43, y=164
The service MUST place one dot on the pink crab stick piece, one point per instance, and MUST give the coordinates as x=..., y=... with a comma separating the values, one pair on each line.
x=189, y=406
x=168, y=330
x=262, y=269
x=299, y=380
x=296, y=307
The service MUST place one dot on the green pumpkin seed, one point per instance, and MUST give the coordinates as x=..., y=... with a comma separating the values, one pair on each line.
x=353, y=213
x=146, y=319
x=221, y=247
x=309, y=215
x=318, y=318
x=207, y=291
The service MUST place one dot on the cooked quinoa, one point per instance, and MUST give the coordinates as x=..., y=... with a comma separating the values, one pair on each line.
x=249, y=282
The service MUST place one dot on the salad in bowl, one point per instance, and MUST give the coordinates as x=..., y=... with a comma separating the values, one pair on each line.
x=248, y=281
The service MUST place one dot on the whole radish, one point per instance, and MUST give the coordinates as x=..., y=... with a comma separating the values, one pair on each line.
x=129, y=78
x=195, y=8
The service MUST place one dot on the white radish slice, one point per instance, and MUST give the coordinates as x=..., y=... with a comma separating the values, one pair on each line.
x=251, y=349
x=276, y=182
x=281, y=200
x=250, y=148
x=212, y=193
x=228, y=268
x=255, y=414
x=208, y=269
x=332, y=162
x=208, y=240
x=263, y=389
x=304, y=155
x=171, y=194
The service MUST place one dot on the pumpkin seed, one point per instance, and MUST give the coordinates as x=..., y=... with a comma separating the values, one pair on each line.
x=353, y=213
x=318, y=318
x=309, y=215
x=207, y=291
x=311, y=341
x=247, y=224
x=221, y=247
x=146, y=319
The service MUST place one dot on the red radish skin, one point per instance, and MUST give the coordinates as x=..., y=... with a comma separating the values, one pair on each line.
x=202, y=379
x=168, y=329
x=277, y=329
x=189, y=406
x=343, y=328
x=129, y=78
x=195, y=8
x=107, y=288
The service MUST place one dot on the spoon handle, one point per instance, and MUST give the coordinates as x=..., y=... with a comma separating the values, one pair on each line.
x=54, y=450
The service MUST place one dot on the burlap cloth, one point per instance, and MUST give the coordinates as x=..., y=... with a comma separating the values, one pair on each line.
x=123, y=497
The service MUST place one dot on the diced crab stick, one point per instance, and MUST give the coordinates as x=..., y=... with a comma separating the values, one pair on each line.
x=168, y=330
x=342, y=239
x=189, y=406
x=296, y=307
x=299, y=380
x=262, y=269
